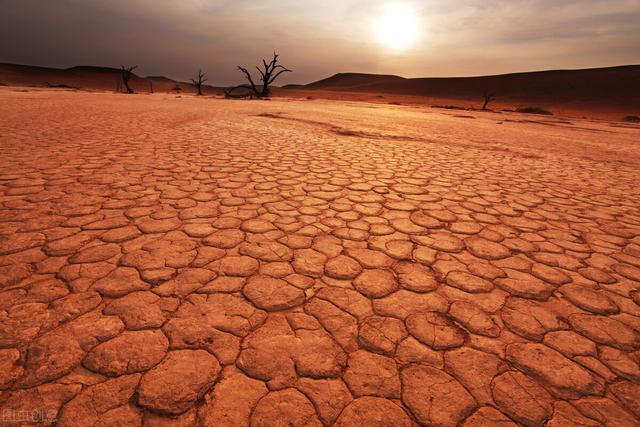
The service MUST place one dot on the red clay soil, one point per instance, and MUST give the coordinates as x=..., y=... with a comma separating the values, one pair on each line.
x=199, y=261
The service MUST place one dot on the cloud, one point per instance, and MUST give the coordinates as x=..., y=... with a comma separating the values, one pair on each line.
x=317, y=39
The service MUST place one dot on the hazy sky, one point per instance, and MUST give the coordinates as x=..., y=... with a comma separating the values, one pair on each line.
x=320, y=38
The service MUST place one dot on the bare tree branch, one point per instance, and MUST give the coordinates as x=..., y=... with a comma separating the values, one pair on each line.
x=487, y=97
x=262, y=76
x=286, y=70
x=126, y=76
x=247, y=75
x=268, y=74
x=199, y=82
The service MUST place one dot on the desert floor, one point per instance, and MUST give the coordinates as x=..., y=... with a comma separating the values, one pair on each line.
x=173, y=261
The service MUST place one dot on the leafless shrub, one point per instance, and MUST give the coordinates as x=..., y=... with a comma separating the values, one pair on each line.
x=268, y=74
x=199, y=82
x=487, y=98
x=126, y=76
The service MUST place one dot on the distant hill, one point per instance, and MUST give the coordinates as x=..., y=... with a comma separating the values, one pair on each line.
x=83, y=76
x=360, y=82
x=161, y=79
x=166, y=84
x=88, y=77
x=615, y=88
x=609, y=93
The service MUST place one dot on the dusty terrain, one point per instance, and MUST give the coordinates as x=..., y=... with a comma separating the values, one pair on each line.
x=90, y=78
x=181, y=261
x=610, y=93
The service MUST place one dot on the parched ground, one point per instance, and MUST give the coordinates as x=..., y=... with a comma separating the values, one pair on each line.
x=181, y=261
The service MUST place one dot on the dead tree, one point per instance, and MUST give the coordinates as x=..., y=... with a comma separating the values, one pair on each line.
x=488, y=97
x=126, y=76
x=268, y=74
x=198, y=83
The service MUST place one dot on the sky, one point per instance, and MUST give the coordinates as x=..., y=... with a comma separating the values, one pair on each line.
x=317, y=39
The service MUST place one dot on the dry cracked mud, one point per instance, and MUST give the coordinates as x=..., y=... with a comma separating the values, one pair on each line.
x=207, y=262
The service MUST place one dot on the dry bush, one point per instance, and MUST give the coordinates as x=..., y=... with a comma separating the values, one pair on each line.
x=268, y=74
x=126, y=76
x=487, y=98
x=199, y=82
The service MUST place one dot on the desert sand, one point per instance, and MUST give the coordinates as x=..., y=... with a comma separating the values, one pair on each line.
x=90, y=78
x=611, y=93
x=189, y=260
x=602, y=93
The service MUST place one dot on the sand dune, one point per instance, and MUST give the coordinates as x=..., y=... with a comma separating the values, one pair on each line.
x=612, y=92
x=82, y=77
x=603, y=93
x=88, y=78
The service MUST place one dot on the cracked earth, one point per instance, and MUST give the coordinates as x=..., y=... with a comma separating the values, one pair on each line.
x=208, y=262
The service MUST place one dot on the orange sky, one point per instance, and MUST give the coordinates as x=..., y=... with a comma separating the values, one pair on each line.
x=317, y=39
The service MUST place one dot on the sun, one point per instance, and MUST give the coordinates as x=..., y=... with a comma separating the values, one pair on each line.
x=397, y=28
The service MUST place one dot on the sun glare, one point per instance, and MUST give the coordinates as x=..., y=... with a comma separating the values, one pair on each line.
x=397, y=28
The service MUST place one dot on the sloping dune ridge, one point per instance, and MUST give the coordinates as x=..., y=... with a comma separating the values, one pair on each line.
x=86, y=77
x=603, y=93
x=612, y=92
